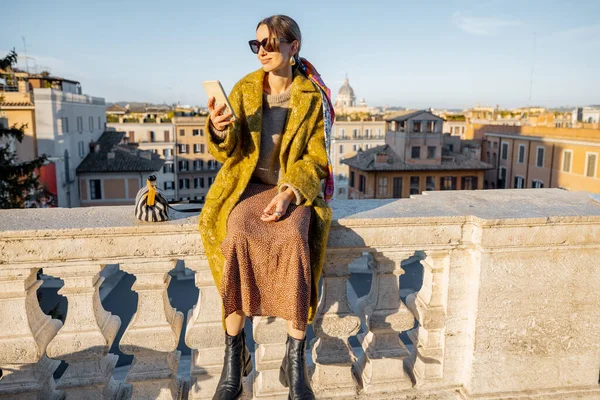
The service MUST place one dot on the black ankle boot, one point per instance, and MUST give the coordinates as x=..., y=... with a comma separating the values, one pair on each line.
x=293, y=372
x=237, y=363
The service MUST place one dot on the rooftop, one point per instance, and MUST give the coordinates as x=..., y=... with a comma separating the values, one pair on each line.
x=365, y=161
x=126, y=158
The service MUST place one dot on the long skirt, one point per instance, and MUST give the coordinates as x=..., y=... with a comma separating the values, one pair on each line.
x=267, y=264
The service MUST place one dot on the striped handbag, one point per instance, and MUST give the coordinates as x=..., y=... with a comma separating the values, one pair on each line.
x=150, y=203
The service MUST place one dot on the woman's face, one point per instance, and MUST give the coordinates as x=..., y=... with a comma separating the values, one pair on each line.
x=274, y=60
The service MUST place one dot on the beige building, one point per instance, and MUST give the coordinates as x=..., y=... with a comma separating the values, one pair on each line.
x=347, y=137
x=196, y=168
x=541, y=157
x=113, y=172
x=416, y=157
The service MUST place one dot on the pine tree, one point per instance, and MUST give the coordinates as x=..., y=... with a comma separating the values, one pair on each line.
x=19, y=181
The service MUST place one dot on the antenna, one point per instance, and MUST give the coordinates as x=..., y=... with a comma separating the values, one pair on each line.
x=532, y=70
x=25, y=51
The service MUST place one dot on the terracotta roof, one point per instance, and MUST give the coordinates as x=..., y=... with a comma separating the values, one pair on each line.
x=126, y=158
x=365, y=161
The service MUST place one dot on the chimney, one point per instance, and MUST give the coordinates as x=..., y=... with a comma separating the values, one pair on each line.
x=381, y=158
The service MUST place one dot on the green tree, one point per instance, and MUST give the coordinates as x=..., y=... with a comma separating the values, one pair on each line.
x=19, y=181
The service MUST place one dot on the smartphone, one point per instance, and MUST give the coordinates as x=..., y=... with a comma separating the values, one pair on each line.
x=215, y=89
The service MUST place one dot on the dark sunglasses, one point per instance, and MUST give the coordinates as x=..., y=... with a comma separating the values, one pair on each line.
x=255, y=45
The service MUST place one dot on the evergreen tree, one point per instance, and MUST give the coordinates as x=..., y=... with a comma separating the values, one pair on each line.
x=19, y=181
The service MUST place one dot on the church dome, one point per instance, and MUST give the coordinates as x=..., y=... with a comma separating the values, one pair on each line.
x=346, y=90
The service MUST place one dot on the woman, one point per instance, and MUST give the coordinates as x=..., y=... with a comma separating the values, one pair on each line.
x=264, y=224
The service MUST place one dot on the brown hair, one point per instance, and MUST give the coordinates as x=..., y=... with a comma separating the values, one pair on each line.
x=282, y=26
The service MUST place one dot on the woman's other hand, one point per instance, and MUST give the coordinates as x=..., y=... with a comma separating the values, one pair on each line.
x=279, y=203
x=220, y=122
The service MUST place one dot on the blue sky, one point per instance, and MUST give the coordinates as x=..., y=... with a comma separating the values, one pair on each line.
x=441, y=54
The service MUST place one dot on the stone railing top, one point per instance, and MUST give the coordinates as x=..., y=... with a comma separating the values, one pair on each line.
x=511, y=205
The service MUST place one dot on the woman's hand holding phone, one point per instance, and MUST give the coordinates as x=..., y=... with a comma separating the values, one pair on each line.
x=219, y=121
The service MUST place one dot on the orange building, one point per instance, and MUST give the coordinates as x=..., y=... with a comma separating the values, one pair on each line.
x=541, y=157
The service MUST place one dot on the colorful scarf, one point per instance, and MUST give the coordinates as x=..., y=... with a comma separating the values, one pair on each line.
x=329, y=117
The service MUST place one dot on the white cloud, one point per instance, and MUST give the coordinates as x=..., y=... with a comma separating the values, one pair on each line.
x=481, y=26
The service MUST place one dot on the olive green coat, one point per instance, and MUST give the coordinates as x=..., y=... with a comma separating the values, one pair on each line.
x=303, y=162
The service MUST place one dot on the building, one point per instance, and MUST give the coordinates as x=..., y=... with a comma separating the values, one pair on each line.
x=114, y=171
x=347, y=137
x=541, y=157
x=139, y=113
x=196, y=168
x=160, y=139
x=416, y=156
x=590, y=115
x=345, y=102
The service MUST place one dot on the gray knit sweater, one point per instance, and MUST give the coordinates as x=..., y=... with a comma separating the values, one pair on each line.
x=274, y=117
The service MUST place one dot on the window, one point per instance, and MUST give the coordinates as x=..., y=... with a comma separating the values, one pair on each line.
x=379, y=134
x=539, y=160
x=81, y=150
x=182, y=132
x=494, y=159
x=152, y=136
x=448, y=183
x=415, y=152
x=414, y=184
x=430, y=183
x=366, y=147
x=65, y=125
x=519, y=182
x=183, y=165
x=168, y=169
x=397, y=190
x=169, y=185
x=201, y=182
x=504, y=152
x=351, y=183
x=212, y=164
x=95, y=189
x=495, y=145
x=521, y=159
x=198, y=165
x=502, y=178
x=591, y=159
x=341, y=148
x=368, y=133
x=355, y=133
x=79, y=124
x=383, y=186
x=196, y=148
x=167, y=136
x=468, y=183
x=361, y=183
x=567, y=161
x=184, y=183
x=183, y=148
x=166, y=153
x=91, y=123
x=538, y=184
x=99, y=123
x=354, y=148
x=487, y=156
x=210, y=180
x=343, y=133
x=195, y=132
x=417, y=126
x=430, y=126
x=430, y=152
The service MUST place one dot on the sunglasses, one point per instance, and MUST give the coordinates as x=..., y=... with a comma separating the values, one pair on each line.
x=255, y=45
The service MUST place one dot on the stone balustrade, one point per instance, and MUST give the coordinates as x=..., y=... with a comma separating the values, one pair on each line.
x=508, y=308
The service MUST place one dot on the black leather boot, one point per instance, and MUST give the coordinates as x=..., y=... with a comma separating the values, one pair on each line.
x=238, y=363
x=293, y=372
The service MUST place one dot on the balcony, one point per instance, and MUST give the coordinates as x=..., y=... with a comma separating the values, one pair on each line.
x=506, y=308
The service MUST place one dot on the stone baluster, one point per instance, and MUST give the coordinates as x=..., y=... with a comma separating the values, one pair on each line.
x=87, y=335
x=334, y=324
x=25, y=332
x=153, y=333
x=204, y=333
x=270, y=335
x=380, y=367
x=429, y=307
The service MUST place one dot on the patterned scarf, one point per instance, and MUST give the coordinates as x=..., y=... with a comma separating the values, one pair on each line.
x=329, y=117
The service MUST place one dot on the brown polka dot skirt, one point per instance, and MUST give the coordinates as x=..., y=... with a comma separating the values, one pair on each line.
x=267, y=264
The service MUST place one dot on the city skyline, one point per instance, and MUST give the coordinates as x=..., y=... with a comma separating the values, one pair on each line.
x=453, y=55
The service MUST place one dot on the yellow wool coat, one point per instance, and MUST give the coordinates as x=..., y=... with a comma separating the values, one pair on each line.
x=303, y=163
